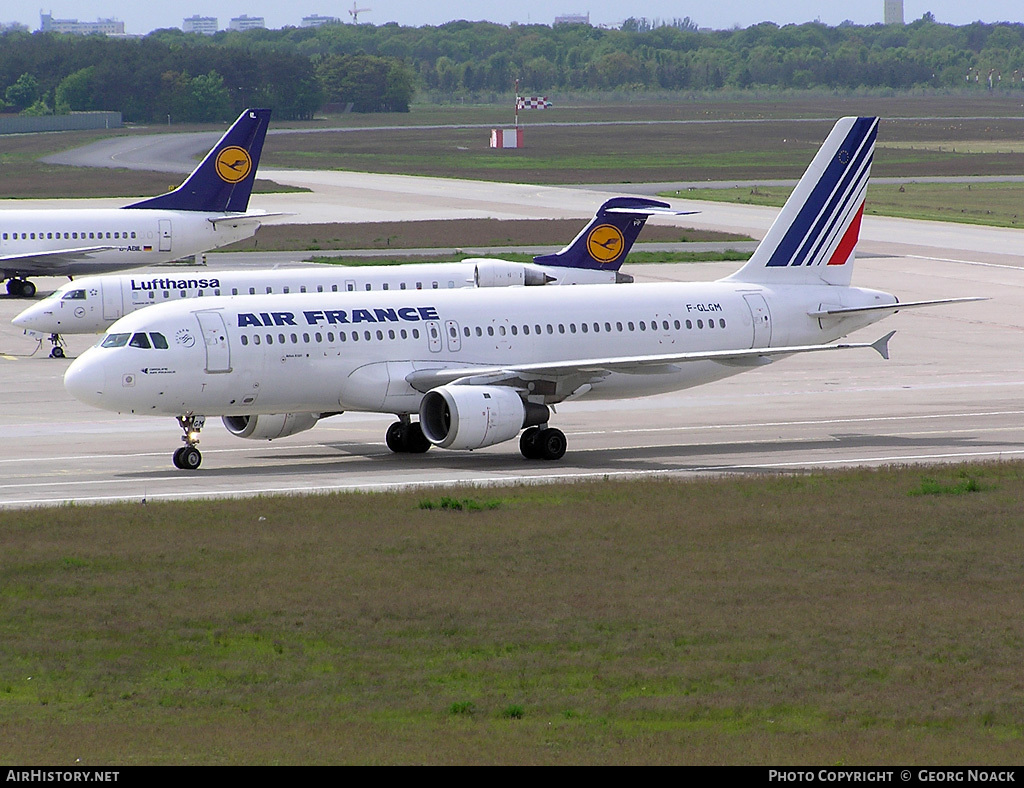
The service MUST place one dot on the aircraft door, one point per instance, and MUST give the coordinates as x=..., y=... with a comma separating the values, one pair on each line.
x=165, y=235
x=111, y=295
x=451, y=329
x=215, y=337
x=762, y=319
x=433, y=328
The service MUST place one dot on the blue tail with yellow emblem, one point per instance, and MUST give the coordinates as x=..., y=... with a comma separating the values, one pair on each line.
x=223, y=181
x=606, y=240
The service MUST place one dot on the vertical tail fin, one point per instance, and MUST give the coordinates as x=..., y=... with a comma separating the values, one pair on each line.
x=812, y=239
x=606, y=240
x=224, y=179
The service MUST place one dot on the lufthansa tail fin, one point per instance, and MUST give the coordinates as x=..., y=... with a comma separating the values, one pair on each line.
x=606, y=240
x=224, y=179
x=813, y=238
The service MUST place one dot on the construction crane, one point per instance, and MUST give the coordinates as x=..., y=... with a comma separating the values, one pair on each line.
x=356, y=12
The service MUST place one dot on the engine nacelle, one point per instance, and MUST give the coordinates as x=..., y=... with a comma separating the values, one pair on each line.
x=471, y=417
x=267, y=427
x=502, y=273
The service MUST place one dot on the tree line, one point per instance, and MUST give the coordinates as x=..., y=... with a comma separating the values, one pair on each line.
x=296, y=71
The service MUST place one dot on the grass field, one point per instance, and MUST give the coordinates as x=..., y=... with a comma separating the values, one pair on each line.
x=995, y=204
x=861, y=617
x=919, y=130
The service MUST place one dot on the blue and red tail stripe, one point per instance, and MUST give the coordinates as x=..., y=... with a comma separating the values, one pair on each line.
x=835, y=203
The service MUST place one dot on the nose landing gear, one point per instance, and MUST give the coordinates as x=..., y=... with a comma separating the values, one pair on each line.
x=188, y=457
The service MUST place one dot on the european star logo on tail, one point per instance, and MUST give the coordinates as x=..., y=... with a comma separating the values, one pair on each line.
x=814, y=236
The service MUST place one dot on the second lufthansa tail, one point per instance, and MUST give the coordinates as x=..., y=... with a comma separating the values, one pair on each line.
x=224, y=179
x=606, y=240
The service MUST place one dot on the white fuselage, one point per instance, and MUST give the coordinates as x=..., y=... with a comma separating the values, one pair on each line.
x=136, y=237
x=323, y=353
x=92, y=304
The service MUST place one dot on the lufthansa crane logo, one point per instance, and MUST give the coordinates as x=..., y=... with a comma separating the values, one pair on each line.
x=605, y=243
x=233, y=164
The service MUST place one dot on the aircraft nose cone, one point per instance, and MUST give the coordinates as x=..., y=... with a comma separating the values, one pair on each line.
x=28, y=318
x=85, y=380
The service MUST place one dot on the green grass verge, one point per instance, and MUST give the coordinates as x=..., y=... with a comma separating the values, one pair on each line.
x=831, y=618
x=994, y=204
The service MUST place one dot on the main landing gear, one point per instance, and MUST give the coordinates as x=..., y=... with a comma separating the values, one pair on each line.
x=542, y=443
x=188, y=457
x=20, y=288
x=406, y=437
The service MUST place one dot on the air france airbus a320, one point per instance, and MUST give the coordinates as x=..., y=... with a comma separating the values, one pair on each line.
x=207, y=211
x=92, y=304
x=478, y=367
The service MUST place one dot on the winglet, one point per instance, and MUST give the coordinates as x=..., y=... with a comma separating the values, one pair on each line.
x=882, y=345
x=606, y=240
x=224, y=179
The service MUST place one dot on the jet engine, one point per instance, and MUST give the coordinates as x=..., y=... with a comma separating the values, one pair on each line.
x=266, y=427
x=502, y=273
x=471, y=417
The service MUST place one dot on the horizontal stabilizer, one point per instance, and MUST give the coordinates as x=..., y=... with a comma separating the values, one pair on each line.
x=854, y=310
x=255, y=216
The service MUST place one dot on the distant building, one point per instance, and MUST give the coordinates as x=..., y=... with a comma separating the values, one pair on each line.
x=316, y=20
x=573, y=19
x=106, y=27
x=206, y=25
x=245, y=22
x=893, y=12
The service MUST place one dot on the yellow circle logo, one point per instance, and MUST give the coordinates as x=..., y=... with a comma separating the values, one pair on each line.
x=233, y=164
x=605, y=243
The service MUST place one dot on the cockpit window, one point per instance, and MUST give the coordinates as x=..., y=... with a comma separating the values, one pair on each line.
x=74, y=295
x=140, y=340
x=159, y=340
x=115, y=340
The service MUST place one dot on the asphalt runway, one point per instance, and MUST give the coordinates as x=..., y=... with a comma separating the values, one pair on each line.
x=951, y=392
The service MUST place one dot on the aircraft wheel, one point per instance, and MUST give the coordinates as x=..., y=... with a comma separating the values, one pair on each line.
x=57, y=352
x=28, y=290
x=552, y=444
x=14, y=287
x=416, y=441
x=187, y=458
x=528, y=443
x=397, y=438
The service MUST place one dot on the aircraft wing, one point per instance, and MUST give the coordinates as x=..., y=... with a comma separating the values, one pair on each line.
x=565, y=378
x=44, y=263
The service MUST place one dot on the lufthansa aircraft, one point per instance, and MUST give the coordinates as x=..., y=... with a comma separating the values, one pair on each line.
x=91, y=304
x=207, y=211
x=479, y=367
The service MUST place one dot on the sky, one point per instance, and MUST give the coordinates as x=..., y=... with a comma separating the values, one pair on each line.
x=141, y=18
